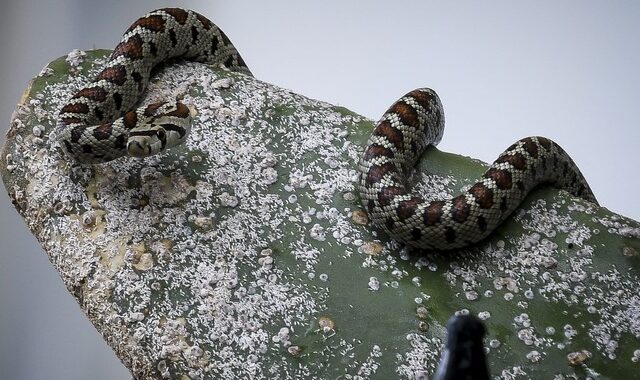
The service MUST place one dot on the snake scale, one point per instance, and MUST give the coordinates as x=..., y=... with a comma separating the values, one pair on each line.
x=88, y=130
x=411, y=124
x=89, y=133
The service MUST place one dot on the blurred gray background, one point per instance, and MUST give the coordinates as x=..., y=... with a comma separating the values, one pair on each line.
x=504, y=70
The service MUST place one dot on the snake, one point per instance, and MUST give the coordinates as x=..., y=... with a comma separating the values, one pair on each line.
x=399, y=138
x=100, y=123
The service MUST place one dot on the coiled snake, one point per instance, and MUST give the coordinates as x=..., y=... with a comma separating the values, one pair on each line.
x=89, y=133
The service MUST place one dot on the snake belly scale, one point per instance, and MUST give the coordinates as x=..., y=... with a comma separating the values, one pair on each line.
x=100, y=123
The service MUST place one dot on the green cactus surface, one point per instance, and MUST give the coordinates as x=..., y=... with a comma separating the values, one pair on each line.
x=245, y=252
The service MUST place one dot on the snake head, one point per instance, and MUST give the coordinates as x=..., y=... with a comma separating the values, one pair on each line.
x=166, y=126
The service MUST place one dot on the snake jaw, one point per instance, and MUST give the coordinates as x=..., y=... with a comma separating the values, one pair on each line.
x=165, y=132
x=167, y=125
x=146, y=141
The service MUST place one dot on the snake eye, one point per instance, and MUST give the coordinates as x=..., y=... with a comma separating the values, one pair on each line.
x=162, y=135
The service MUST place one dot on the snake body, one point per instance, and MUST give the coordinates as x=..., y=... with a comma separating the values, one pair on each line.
x=99, y=123
x=399, y=138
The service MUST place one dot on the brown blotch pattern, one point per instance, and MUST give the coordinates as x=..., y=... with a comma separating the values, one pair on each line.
x=406, y=113
x=530, y=147
x=152, y=108
x=377, y=172
x=502, y=178
x=75, y=108
x=517, y=160
x=103, y=132
x=544, y=142
x=97, y=94
x=387, y=194
x=179, y=14
x=181, y=111
x=460, y=209
x=116, y=75
x=376, y=150
x=206, y=23
x=154, y=23
x=393, y=135
x=131, y=48
x=130, y=119
x=433, y=213
x=482, y=194
x=424, y=99
x=407, y=209
x=139, y=45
